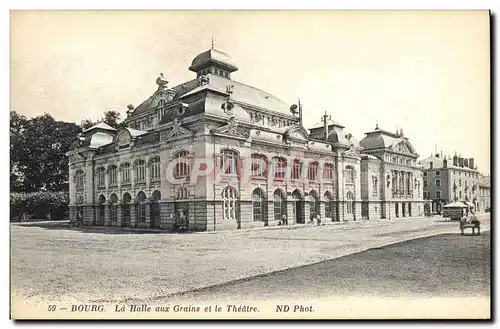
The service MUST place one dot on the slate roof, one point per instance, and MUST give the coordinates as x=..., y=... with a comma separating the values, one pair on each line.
x=100, y=125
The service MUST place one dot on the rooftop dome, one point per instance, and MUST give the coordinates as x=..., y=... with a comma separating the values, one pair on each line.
x=213, y=56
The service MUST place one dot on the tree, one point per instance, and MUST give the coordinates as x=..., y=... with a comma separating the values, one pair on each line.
x=41, y=159
x=87, y=123
x=18, y=125
x=111, y=118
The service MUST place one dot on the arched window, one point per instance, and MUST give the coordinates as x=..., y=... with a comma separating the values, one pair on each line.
x=141, y=207
x=329, y=208
x=312, y=173
x=279, y=204
x=229, y=203
x=296, y=169
x=349, y=204
x=181, y=168
x=140, y=171
x=314, y=204
x=279, y=167
x=79, y=179
x=113, y=208
x=229, y=162
x=162, y=102
x=154, y=168
x=101, y=177
x=259, y=165
x=349, y=175
x=101, y=209
x=258, y=205
x=125, y=173
x=127, y=198
x=182, y=193
x=328, y=172
x=113, y=176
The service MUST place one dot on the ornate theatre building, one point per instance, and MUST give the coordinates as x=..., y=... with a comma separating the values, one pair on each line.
x=213, y=153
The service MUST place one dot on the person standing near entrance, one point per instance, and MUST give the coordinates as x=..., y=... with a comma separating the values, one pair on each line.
x=284, y=220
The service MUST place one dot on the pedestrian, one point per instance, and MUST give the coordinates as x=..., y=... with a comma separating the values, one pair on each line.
x=284, y=220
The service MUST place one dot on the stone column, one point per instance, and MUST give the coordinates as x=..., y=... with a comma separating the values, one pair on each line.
x=290, y=212
x=107, y=217
x=119, y=215
x=72, y=214
x=148, y=215
x=322, y=213
x=270, y=213
x=132, y=215
x=307, y=210
x=88, y=214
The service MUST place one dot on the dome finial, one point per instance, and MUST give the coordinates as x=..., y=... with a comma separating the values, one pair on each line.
x=376, y=125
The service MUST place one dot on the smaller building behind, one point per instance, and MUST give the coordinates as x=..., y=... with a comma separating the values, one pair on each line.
x=450, y=179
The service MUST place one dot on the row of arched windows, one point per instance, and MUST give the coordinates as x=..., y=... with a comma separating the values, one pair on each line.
x=278, y=166
x=230, y=204
x=140, y=208
x=140, y=171
x=124, y=172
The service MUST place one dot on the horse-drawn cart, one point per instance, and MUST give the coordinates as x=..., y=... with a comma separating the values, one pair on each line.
x=473, y=224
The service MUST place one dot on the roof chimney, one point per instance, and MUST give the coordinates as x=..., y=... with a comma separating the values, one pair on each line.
x=471, y=163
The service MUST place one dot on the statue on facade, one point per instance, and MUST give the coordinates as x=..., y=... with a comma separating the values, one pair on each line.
x=161, y=82
x=203, y=80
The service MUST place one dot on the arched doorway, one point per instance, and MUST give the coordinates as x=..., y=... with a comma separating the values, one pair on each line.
x=298, y=207
x=113, y=210
x=259, y=206
x=101, y=210
x=314, y=205
x=127, y=198
x=140, y=208
x=155, y=209
x=279, y=205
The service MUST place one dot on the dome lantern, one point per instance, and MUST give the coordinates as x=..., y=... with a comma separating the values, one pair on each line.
x=213, y=61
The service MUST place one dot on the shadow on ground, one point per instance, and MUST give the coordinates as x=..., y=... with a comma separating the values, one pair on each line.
x=446, y=265
x=64, y=225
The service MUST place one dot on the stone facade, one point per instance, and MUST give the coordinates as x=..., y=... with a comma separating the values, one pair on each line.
x=216, y=154
x=391, y=178
x=450, y=179
x=484, y=194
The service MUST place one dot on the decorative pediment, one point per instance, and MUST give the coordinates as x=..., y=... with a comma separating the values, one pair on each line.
x=404, y=147
x=352, y=151
x=296, y=133
x=75, y=158
x=123, y=138
x=177, y=130
x=233, y=129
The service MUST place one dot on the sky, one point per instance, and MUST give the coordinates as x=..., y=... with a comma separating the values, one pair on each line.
x=425, y=72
